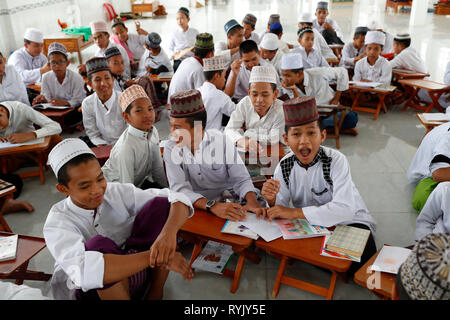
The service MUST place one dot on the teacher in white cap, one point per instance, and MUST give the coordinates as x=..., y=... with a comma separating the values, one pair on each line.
x=29, y=61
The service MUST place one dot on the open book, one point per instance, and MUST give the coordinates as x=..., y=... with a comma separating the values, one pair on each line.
x=45, y=106
x=213, y=258
x=8, y=247
x=390, y=259
x=374, y=85
x=237, y=228
x=300, y=229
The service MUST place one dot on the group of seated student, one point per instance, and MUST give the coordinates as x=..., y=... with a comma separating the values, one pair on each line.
x=114, y=236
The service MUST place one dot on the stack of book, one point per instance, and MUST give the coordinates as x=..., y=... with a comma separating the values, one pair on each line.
x=346, y=242
x=214, y=257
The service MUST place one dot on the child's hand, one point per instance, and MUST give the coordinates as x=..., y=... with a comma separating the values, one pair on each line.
x=58, y=102
x=129, y=83
x=3, y=139
x=21, y=137
x=163, y=250
x=270, y=189
x=81, y=68
x=229, y=210
x=236, y=66
x=280, y=212
x=328, y=26
x=39, y=99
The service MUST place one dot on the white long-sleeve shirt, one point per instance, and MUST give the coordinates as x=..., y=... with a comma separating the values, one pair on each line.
x=68, y=227
x=181, y=40
x=215, y=166
x=135, y=44
x=189, y=75
x=71, y=90
x=276, y=61
x=135, y=157
x=217, y=104
x=103, y=126
x=12, y=87
x=409, y=59
x=22, y=118
x=154, y=62
x=381, y=71
x=126, y=60
x=326, y=201
x=349, y=53
x=321, y=45
x=434, y=143
x=11, y=291
x=221, y=49
x=435, y=214
x=267, y=130
x=331, y=22
x=27, y=66
x=313, y=59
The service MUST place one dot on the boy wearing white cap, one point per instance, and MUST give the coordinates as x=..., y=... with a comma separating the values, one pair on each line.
x=405, y=56
x=388, y=47
x=230, y=48
x=136, y=157
x=312, y=58
x=61, y=86
x=110, y=240
x=217, y=103
x=102, y=116
x=326, y=26
x=306, y=20
x=260, y=112
x=354, y=51
x=249, y=23
x=29, y=61
x=204, y=164
x=373, y=67
x=269, y=50
x=12, y=87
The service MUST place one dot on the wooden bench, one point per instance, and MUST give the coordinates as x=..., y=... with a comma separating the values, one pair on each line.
x=73, y=43
x=435, y=90
x=307, y=250
x=203, y=227
x=396, y=4
x=375, y=108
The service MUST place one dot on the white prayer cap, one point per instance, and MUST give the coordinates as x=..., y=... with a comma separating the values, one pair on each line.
x=34, y=35
x=215, y=63
x=65, y=151
x=98, y=26
x=373, y=25
x=375, y=37
x=305, y=17
x=402, y=36
x=263, y=74
x=291, y=61
x=270, y=42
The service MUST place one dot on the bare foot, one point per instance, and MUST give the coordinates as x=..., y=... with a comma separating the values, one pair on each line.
x=12, y=205
x=180, y=265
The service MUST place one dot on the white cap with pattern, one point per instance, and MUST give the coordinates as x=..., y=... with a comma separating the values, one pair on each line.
x=34, y=35
x=215, y=63
x=305, y=17
x=291, y=61
x=375, y=37
x=263, y=74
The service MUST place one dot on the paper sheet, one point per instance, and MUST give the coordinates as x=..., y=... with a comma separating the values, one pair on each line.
x=390, y=258
x=7, y=145
x=267, y=230
x=364, y=84
x=436, y=116
x=44, y=106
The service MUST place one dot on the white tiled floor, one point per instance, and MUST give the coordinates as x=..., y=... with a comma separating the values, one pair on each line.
x=379, y=156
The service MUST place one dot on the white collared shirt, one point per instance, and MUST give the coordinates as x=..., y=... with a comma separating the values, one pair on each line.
x=181, y=40
x=154, y=62
x=12, y=87
x=134, y=157
x=435, y=214
x=331, y=22
x=221, y=49
x=409, y=59
x=217, y=104
x=71, y=90
x=215, y=167
x=22, y=118
x=11, y=291
x=388, y=43
x=349, y=53
x=68, y=227
x=312, y=60
x=434, y=143
x=276, y=61
x=319, y=44
x=381, y=71
x=103, y=126
x=135, y=44
x=322, y=203
x=267, y=130
x=27, y=66
x=255, y=37
x=189, y=75
x=126, y=59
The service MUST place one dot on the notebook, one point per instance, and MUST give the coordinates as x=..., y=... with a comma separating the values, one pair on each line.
x=348, y=240
x=213, y=257
x=237, y=228
x=331, y=254
x=390, y=259
x=8, y=247
x=300, y=229
x=44, y=106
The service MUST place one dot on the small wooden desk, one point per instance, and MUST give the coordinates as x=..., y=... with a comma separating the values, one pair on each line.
x=203, y=227
x=396, y=4
x=140, y=8
x=435, y=90
x=429, y=125
x=58, y=116
x=333, y=62
x=400, y=75
x=156, y=78
x=17, y=269
x=102, y=153
x=38, y=148
x=337, y=50
x=324, y=111
x=35, y=87
x=4, y=195
x=386, y=289
x=381, y=94
x=307, y=250
x=73, y=43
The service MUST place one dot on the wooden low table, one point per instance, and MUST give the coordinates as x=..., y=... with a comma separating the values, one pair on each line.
x=396, y=4
x=17, y=269
x=203, y=227
x=35, y=87
x=435, y=90
x=333, y=62
x=102, y=153
x=37, y=148
x=381, y=94
x=337, y=50
x=59, y=116
x=307, y=250
x=4, y=195
x=325, y=111
x=429, y=125
x=405, y=74
x=384, y=283
x=156, y=78
x=73, y=43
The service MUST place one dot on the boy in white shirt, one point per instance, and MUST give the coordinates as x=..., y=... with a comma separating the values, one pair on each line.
x=260, y=113
x=405, y=56
x=354, y=51
x=271, y=52
x=315, y=178
x=230, y=48
x=102, y=116
x=272, y=19
x=109, y=239
x=218, y=105
x=182, y=39
x=12, y=87
x=312, y=58
x=277, y=29
x=328, y=27
x=136, y=157
x=249, y=23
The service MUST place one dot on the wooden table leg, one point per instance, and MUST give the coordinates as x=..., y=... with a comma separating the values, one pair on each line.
x=41, y=166
x=332, y=285
x=413, y=95
x=435, y=102
x=276, y=287
x=196, y=251
x=238, y=273
x=4, y=224
x=20, y=273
